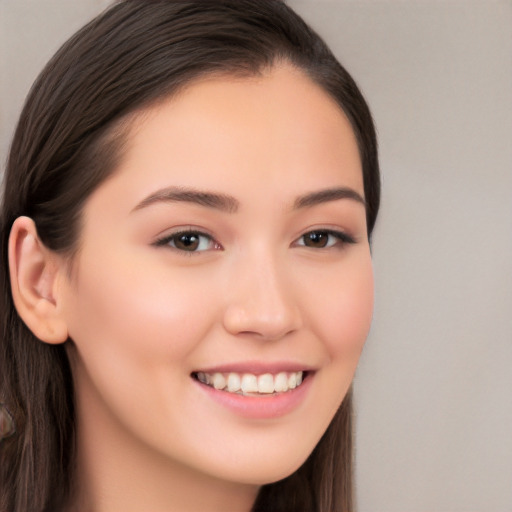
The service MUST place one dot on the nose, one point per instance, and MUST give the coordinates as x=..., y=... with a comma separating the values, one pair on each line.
x=261, y=302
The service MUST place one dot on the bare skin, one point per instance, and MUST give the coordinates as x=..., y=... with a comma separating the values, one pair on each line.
x=232, y=239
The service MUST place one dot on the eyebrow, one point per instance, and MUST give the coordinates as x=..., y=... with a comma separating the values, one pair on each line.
x=229, y=204
x=330, y=194
x=221, y=202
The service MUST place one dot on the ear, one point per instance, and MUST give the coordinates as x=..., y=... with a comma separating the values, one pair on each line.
x=34, y=272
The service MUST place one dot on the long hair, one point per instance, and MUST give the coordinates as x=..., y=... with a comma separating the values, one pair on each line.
x=68, y=141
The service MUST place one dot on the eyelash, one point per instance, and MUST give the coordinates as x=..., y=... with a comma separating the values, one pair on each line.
x=341, y=239
x=168, y=239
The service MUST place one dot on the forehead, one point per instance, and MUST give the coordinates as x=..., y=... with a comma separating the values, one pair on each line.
x=278, y=131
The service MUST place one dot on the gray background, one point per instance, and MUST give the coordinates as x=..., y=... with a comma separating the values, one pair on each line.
x=434, y=387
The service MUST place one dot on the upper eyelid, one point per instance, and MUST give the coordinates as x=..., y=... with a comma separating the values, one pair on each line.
x=179, y=230
x=342, y=235
x=335, y=230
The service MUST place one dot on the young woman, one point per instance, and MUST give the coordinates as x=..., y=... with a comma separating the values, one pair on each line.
x=186, y=278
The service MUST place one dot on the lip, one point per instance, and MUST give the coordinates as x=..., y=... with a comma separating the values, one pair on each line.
x=258, y=407
x=257, y=368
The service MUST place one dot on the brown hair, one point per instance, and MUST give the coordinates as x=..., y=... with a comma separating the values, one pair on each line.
x=68, y=141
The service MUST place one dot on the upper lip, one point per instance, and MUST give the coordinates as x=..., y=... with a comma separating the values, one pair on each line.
x=257, y=368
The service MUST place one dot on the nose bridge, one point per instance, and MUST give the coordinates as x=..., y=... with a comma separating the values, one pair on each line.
x=261, y=301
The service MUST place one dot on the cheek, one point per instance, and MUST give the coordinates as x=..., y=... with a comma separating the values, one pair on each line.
x=342, y=310
x=134, y=329
x=136, y=315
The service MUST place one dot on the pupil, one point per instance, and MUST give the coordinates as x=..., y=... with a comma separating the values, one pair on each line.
x=188, y=242
x=316, y=239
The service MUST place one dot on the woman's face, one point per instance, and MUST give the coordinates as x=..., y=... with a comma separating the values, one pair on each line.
x=229, y=249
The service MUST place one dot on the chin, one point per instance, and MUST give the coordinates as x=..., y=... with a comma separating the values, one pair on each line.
x=266, y=469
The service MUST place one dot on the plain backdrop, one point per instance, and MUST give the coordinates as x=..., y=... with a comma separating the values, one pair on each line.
x=434, y=387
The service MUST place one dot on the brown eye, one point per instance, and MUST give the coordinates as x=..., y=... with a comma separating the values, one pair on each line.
x=188, y=241
x=316, y=239
x=324, y=239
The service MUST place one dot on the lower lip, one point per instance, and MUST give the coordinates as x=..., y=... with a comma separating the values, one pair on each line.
x=260, y=407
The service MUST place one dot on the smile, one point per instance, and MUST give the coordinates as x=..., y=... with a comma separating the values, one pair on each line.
x=251, y=384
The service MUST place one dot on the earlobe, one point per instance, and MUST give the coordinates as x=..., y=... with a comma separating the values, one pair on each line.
x=34, y=272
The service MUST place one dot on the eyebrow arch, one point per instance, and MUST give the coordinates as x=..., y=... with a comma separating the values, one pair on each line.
x=221, y=202
x=330, y=194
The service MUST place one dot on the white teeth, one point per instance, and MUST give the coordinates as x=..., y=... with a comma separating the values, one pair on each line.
x=234, y=383
x=249, y=383
x=266, y=383
x=219, y=382
x=281, y=382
